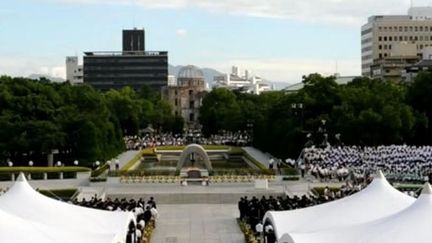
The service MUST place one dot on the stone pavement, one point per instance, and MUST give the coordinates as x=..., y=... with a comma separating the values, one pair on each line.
x=126, y=156
x=197, y=223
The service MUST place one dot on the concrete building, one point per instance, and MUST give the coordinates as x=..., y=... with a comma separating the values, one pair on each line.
x=392, y=66
x=186, y=97
x=74, y=71
x=132, y=67
x=172, y=80
x=382, y=32
x=424, y=65
x=247, y=83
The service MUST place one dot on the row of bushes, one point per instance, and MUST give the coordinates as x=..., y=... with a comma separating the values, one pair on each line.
x=43, y=169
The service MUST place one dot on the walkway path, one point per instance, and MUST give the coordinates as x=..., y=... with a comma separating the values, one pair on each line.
x=197, y=223
x=126, y=156
x=258, y=155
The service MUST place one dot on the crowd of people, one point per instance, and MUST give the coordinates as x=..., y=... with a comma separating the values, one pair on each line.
x=239, y=138
x=144, y=212
x=252, y=210
x=401, y=163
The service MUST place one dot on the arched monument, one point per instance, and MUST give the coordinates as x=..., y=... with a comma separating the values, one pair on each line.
x=194, y=155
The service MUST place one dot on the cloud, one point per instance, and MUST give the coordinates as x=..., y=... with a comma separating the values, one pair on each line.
x=181, y=33
x=343, y=12
x=290, y=70
x=24, y=66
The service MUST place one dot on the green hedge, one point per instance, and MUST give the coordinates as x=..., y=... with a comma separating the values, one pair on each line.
x=100, y=170
x=34, y=169
x=320, y=190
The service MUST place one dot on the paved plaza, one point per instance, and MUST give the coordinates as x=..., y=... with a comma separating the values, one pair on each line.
x=197, y=223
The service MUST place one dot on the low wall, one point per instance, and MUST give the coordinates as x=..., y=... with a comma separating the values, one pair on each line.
x=81, y=179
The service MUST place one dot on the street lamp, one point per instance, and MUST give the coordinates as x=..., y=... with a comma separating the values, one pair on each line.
x=76, y=163
x=59, y=163
x=10, y=163
x=30, y=163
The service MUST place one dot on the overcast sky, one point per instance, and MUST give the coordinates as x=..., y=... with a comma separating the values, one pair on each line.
x=280, y=40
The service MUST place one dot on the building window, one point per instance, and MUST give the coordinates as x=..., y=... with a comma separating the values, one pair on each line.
x=405, y=28
x=390, y=38
x=400, y=28
x=416, y=28
x=191, y=117
x=380, y=55
x=385, y=54
x=176, y=113
x=191, y=104
x=411, y=28
x=190, y=92
x=176, y=102
x=380, y=47
x=405, y=38
x=379, y=38
x=421, y=38
x=421, y=28
x=416, y=38
x=389, y=47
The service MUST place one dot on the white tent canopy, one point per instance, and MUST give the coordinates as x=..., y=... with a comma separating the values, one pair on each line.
x=379, y=199
x=17, y=230
x=23, y=201
x=412, y=224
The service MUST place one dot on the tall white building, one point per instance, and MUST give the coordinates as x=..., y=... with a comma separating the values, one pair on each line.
x=74, y=72
x=382, y=32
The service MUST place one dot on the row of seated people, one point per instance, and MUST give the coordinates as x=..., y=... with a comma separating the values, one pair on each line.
x=399, y=162
x=144, y=212
x=168, y=139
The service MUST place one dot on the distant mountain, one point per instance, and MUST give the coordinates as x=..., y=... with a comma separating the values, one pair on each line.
x=53, y=79
x=209, y=73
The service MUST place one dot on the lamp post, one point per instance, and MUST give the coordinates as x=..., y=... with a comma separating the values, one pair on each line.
x=76, y=162
x=10, y=164
x=30, y=163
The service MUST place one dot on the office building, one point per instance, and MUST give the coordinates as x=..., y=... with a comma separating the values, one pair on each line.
x=381, y=33
x=392, y=66
x=74, y=71
x=424, y=65
x=133, y=66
